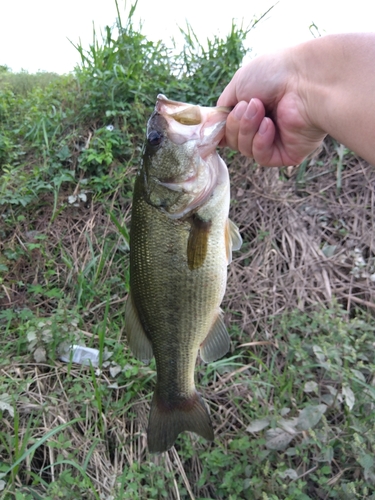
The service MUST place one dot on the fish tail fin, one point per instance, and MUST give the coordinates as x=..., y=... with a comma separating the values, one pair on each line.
x=168, y=420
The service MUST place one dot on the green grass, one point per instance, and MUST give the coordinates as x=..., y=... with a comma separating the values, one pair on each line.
x=293, y=412
x=24, y=82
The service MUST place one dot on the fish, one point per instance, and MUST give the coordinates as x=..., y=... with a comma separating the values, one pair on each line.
x=181, y=242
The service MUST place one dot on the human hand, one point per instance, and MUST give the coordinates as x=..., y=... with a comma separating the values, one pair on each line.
x=271, y=121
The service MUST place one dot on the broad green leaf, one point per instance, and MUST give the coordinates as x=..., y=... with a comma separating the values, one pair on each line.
x=328, y=454
x=290, y=473
x=40, y=355
x=115, y=370
x=319, y=353
x=349, y=396
x=310, y=416
x=366, y=461
x=311, y=386
x=31, y=335
x=284, y=411
x=288, y=424
x=258, y=425
x=277, y=439
x=359, y=375
x=5, y=400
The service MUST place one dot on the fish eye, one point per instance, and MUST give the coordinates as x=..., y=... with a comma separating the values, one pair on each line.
x=154, y=138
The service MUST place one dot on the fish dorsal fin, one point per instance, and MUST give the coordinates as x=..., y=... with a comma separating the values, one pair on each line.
x=233, y=240
x=197, y=242
x=217, y=342
x=138, y=342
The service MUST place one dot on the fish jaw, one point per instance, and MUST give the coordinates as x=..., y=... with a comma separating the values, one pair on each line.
x=188, y=122
x=183, y=169
x=212, y=173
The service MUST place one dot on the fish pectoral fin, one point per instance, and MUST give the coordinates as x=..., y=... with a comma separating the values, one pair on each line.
x=217, y=342
x=235, y=235
x=197, y=242
x=138, y=342
x=169, y=418
x=233, y=240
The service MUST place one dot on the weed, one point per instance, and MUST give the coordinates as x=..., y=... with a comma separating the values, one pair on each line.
x=293, y=409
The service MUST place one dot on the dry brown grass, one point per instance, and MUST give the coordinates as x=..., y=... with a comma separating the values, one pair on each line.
x=299, y=242
x=287, y=226
x=106, y=452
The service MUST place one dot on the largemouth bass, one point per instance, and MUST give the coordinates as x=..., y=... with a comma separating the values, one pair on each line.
x=181, y=242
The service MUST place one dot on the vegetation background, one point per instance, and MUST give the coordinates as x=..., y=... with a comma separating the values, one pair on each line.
x=292, y=403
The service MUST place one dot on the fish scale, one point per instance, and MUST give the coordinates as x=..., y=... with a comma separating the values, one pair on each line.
x=180, y=245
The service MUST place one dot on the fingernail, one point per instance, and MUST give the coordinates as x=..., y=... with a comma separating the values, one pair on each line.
x=263, y=127
x=239, y=110
x=251, y=110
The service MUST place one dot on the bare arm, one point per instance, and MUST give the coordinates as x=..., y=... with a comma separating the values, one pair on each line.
x=287, y=102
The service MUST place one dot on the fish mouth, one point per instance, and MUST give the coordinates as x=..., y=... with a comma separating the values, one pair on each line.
x=203, y=128
x=176, y=185
x=162, y=100
x=189, y=122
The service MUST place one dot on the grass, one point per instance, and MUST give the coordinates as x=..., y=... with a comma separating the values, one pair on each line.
x=293, y=418
x=24, y=82
x=292, y=403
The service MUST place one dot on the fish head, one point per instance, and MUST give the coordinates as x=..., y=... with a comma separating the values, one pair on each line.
x=180, y=165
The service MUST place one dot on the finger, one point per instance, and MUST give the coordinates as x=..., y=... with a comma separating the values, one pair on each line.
x=233, y=125
x=265, y=150
x=269, y=151
x=249, y=125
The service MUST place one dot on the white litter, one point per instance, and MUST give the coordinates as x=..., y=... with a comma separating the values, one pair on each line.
x=81, y=355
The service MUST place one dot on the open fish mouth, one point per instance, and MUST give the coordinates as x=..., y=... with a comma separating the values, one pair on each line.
x=191, y=122
x=175, y=127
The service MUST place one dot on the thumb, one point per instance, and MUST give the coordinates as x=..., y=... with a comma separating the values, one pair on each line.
x=229, y=94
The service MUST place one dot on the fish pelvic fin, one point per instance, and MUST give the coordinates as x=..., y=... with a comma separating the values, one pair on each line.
x=138, y=342
x=233, y=240
x=197, y=242
x=217, y=342
x=167, y=420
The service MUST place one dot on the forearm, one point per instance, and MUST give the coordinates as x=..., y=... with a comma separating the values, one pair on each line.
x=337, y=85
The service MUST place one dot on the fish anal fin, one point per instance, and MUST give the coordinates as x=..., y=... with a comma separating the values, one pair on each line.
x=139, y=344
x=168, y=419
x=233, y=240
x=197, y=242
x=217, y=342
